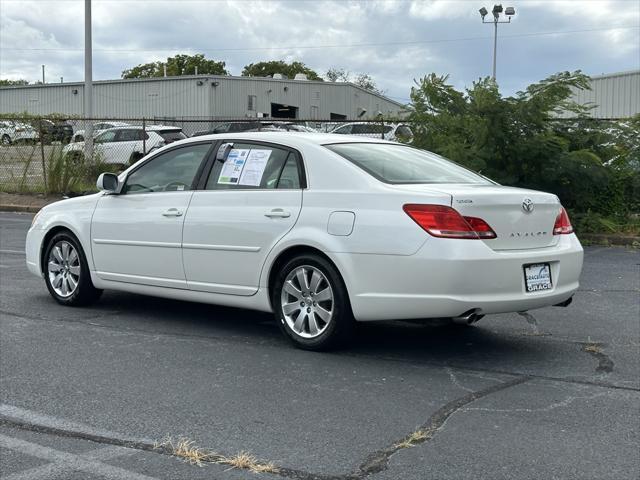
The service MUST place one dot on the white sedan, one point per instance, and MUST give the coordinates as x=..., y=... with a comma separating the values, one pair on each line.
x=320, y=229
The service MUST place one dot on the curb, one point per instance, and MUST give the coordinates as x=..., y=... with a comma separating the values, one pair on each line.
x=610, y=239
x=19, y=208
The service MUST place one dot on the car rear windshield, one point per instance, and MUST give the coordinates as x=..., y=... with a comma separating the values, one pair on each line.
x=401, y=164
x=172, y=135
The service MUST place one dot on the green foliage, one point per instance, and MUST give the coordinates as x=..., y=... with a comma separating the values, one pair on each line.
x=10, y=83
x=593, y=166
x=176, y=66
x=289, y=70
x=71, y=173
x=363, y=80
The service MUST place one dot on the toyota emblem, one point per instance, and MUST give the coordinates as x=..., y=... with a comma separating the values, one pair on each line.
x=527, y=205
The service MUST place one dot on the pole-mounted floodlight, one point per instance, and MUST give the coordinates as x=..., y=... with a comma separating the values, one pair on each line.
x=497, y=10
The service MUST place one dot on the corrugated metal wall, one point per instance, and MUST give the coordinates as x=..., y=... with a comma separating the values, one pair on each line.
x=201, y=96
x=613, y=96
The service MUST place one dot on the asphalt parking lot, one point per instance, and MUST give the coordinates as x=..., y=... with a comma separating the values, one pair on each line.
x=85, y=392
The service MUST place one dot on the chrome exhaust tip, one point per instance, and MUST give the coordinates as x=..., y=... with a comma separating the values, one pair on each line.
x=469, y=317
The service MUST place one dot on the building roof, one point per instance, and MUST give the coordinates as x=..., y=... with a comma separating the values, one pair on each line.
x=205, y=77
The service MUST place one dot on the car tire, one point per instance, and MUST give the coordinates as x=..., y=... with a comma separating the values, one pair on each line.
x=310, y=323
x=6, y=140
x=66, y=272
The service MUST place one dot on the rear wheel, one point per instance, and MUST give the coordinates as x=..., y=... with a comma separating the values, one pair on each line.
x=311, y=303
x=6, y=140
x=67, y=273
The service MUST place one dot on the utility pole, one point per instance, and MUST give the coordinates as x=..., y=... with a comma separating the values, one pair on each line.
x=495, y=49
x=88, y=83
x=497, y=10
x=43, y=74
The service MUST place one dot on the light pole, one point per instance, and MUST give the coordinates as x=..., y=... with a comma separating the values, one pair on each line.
x=88, y=83
x=497, y=10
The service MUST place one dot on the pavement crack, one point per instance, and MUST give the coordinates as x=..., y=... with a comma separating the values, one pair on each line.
x=605, y=364
x=379, y=461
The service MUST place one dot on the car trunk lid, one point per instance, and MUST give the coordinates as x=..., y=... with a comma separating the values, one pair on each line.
x=522, y=219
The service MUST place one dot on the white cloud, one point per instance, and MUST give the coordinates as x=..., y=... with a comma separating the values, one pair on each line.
x=130, y=32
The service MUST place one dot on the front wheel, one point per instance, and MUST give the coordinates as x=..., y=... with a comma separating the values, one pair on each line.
x=311, y=303
x=6, y=140
x=67, y=273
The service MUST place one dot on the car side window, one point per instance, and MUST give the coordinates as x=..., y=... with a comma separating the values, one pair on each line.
x=106, y=137
x=343, y=130
x=290, y=176
x=252, y=166
x=128, y=135
x=171, y=171
x=141, y=135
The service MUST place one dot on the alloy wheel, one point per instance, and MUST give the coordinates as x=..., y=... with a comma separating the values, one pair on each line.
x=307, y=301
x=64, y=268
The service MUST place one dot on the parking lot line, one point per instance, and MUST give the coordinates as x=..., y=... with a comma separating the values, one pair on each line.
x=55, y=469
x=69, y=461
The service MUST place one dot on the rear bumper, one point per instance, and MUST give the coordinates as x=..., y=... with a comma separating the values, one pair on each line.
x=446, y=278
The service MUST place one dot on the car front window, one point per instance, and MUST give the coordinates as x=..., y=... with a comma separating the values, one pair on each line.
x=401, y=164
x=171, y=171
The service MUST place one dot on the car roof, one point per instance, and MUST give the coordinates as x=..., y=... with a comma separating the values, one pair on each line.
x=393, y=124
x=291, y=139
x=148, y=128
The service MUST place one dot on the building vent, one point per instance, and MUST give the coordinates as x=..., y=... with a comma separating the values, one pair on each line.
x=300, y=76
x=278, y=76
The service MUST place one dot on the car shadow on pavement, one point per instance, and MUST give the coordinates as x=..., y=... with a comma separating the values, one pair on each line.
x=428, y=341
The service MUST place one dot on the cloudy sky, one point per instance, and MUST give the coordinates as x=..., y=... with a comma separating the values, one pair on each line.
x=395, y=41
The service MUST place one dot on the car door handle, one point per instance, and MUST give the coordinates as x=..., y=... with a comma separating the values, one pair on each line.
x=277, y=213
x=172, y=212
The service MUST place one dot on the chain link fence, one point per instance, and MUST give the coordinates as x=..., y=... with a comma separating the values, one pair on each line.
x=58, y=154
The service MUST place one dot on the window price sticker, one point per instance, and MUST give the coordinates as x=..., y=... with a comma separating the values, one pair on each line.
x=232, y=168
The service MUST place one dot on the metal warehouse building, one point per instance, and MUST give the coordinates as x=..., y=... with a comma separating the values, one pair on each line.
x=203, y=97
x=613, y=96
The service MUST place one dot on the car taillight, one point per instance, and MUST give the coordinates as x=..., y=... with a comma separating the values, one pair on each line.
x=446, y=222
x=563, y=224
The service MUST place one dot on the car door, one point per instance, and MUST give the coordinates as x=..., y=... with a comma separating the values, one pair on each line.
x=103, y=146
x=248, y=203
x=136, y=235
x=128, y=141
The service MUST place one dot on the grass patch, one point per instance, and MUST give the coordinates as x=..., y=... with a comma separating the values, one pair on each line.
x=188, y=451
x=246, y=461
x=592, y=348
x=414, y=439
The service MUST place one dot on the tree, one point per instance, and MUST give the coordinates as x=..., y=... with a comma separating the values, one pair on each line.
x=520, y=140
x=335, y=74
x=363, y=80
x=268, y=69
x=176, y=66
x=9, y=83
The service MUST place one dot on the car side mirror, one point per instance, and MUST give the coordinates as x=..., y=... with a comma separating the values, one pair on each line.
x=107, y=182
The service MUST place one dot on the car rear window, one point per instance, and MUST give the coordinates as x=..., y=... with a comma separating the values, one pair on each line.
x=172, y=135
x=401, y=164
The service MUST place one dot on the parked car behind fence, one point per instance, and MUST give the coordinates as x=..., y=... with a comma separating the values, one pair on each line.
x=124, y=145
x=17, y=132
